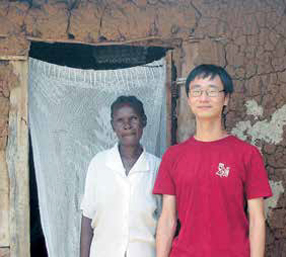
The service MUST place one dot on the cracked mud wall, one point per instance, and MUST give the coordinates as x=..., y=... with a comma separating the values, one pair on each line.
x=248, y=37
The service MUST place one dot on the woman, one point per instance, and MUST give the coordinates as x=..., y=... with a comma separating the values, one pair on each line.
x=119, y=212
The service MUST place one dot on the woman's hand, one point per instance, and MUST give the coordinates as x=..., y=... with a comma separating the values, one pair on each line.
x=85, y=236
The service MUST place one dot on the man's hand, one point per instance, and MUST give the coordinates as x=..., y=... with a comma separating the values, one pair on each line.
x=166, y=226
x=256, y=227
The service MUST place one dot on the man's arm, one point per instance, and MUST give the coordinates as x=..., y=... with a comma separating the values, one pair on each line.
x=85, y=236
x=256, y=227
x=166, y=226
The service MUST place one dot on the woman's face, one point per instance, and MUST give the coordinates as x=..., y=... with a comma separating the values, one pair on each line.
x=127, y=124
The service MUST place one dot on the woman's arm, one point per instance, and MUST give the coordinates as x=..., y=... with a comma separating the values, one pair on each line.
x=166, y=226
x=85, y=236
x=256, y=227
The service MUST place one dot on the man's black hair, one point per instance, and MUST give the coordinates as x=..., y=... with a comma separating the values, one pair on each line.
x=133, y=102
x=210, y=70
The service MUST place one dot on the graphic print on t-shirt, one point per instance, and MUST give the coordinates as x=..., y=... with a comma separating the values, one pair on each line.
x=222, y=170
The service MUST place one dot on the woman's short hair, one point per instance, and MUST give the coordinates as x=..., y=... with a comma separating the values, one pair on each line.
x=210, y=70
x=133, y=102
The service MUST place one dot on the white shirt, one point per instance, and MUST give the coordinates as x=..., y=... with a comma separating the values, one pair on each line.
x=123, y=211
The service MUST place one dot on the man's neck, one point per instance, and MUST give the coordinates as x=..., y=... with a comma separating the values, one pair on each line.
x=209, y=130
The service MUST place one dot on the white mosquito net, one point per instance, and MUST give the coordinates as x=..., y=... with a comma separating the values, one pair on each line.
x=69, y=119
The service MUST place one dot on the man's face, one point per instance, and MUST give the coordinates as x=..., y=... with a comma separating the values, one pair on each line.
x=209, y=104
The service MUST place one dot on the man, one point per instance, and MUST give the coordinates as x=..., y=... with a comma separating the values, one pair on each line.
x=209, y=181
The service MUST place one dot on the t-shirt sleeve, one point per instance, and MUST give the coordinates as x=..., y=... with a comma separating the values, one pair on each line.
x=164, y=182
x=87, y=207
x=257, y=184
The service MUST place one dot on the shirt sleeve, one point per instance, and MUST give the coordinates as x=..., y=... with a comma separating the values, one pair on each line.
x=257, y=184
x=164, y=182
x=87, y=207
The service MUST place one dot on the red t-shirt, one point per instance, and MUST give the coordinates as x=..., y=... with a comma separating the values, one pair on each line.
x=212, y=182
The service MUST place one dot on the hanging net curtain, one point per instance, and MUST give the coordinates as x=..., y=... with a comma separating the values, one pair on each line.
x=69, y=119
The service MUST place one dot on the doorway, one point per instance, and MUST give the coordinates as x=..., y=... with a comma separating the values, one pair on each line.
x=77, y=57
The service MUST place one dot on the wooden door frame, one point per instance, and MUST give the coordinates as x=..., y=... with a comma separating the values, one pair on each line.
x=17, y=151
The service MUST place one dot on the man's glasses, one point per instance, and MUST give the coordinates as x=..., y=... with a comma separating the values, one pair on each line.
x=210, y=92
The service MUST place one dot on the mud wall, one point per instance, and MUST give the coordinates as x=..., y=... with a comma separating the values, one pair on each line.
x=248, y=37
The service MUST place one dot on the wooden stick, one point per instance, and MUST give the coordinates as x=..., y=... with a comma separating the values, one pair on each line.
x=13, y=58
x=106, y=43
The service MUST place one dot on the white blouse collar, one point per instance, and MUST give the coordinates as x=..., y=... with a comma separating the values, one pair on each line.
x=115, y=163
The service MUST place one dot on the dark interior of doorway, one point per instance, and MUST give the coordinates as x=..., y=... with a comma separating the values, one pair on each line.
x=81, y=57
x=96, y=57
x=38, y=246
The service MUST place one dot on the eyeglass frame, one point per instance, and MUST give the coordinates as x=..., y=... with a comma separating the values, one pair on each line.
x=207, y=92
